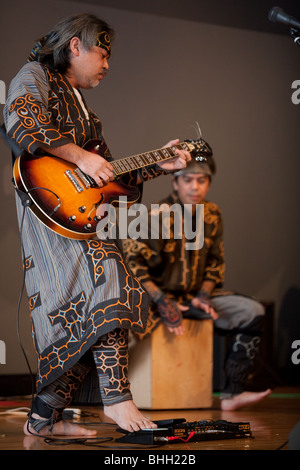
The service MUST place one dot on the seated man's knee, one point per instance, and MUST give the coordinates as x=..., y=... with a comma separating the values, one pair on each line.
x=254, y=313
x=258, y=308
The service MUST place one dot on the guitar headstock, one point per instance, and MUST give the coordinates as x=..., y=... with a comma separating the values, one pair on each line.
x=199, y=149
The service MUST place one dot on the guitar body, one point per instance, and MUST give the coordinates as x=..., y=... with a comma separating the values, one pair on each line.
x=69, y=202
x=65, y=199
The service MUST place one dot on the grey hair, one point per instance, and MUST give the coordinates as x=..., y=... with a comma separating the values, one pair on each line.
x=55, y=50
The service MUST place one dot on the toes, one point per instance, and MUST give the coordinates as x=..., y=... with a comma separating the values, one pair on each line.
x=133, y=426
x=141, y=424
x=145, y=424
x=149, y=424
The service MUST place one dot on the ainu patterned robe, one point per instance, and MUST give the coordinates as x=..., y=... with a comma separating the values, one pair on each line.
x=176, y=271
x=78, y=290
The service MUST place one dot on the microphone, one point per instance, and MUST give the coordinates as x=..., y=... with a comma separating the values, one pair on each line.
x=277, y=15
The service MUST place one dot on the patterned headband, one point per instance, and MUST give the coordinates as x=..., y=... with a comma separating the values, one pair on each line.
x=103, y=41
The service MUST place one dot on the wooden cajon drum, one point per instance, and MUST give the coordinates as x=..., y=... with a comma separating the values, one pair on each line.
x=173, y=372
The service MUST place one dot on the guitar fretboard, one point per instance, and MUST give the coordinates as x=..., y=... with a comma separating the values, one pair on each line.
x=124, y=165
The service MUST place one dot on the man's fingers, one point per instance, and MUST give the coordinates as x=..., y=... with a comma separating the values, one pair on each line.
x=178, y=331
x=183, y=308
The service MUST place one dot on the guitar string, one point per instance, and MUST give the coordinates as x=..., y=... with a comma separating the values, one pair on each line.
x=136, y=167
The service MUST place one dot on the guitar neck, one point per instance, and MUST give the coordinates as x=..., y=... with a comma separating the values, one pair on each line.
x=142, y=160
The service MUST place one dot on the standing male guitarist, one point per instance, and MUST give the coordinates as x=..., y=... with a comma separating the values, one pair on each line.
x=83, y=299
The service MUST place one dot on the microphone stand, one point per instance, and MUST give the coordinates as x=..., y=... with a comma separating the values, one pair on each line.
x=295, y=35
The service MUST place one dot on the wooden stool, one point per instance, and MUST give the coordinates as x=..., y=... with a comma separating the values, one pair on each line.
x=173, y=372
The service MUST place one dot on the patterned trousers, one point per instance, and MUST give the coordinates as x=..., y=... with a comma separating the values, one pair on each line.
x=110, y=355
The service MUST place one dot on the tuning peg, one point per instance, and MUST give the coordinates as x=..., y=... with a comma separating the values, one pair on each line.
x=200, y=158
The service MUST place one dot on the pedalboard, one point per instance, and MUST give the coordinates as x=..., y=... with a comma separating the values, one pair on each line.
x=179, y=430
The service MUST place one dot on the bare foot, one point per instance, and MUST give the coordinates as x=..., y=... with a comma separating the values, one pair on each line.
x=61, y=428
x=243, y=399
x=126, y=415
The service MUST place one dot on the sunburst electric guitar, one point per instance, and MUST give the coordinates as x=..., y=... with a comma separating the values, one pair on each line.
x=67, y=200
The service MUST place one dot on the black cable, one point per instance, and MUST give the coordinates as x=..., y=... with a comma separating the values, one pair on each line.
x=282, y=445
x=96, y=442
x=78, y=440
x=19, y=305
x=18, y=319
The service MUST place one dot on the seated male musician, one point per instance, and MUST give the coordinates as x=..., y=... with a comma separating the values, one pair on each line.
x=188, y=282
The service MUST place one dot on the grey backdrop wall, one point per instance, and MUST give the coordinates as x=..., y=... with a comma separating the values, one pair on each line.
x=165, y=74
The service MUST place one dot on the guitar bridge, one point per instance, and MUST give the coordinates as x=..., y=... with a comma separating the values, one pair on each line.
x=74, y=181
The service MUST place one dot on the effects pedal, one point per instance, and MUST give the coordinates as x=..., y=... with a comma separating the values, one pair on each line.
x=179, y=430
